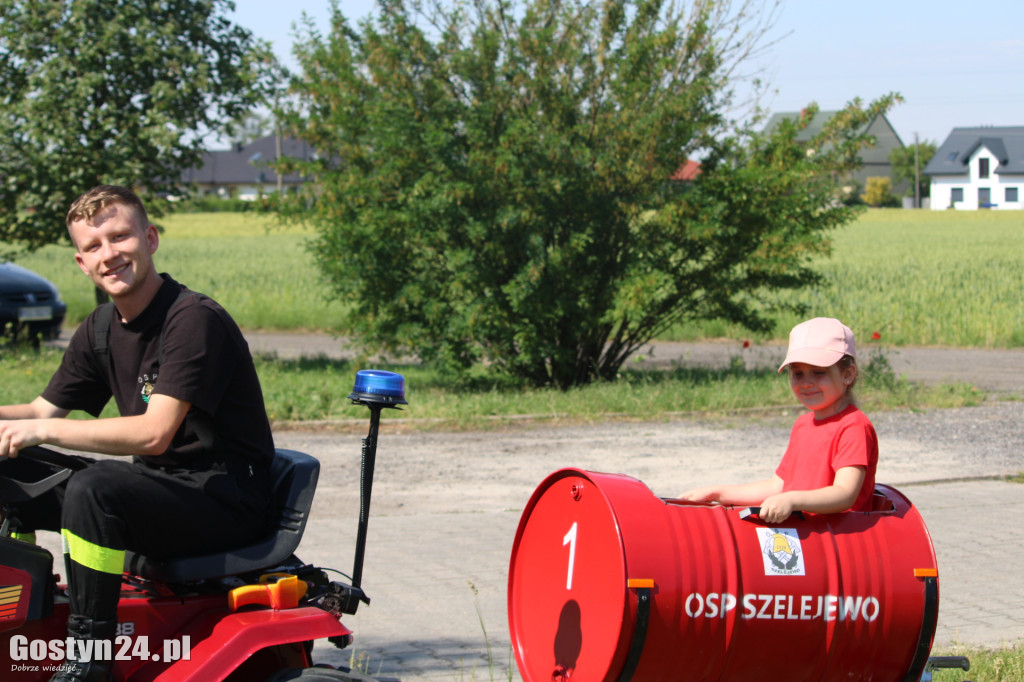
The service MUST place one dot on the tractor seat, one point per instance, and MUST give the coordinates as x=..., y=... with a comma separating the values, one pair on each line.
x=293, y=478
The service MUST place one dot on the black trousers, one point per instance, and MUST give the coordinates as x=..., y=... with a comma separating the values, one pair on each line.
x=114, y=505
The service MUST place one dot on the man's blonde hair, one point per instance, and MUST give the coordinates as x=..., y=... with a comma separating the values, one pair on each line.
x=98, y=198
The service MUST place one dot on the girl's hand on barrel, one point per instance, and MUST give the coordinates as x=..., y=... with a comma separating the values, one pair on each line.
x=777, y=508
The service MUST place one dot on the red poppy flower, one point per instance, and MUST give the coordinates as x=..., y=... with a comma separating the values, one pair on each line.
x=876, y=336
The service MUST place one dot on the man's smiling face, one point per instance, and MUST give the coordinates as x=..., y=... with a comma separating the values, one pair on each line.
x=115, y=249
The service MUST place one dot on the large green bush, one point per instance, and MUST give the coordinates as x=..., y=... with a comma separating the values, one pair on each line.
x=498, y=187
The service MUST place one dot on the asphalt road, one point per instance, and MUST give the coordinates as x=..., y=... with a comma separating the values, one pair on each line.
x=446, y=507
x=999, y=371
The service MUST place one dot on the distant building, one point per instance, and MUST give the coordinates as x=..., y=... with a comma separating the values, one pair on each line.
x=244, y=172
x=874, y=160
x=978, y=168
x=688, y=172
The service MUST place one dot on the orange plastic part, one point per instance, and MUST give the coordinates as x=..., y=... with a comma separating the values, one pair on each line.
x=276, y=590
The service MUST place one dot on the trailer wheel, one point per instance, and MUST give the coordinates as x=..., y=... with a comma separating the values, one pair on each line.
x=318, y=674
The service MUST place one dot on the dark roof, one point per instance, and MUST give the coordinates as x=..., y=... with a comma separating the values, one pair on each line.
x=886, y=137
x=1005, y=143
x=248, y=163
x=813, y=128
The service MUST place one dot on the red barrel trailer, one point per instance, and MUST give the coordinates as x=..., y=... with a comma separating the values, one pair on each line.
x=609, y=582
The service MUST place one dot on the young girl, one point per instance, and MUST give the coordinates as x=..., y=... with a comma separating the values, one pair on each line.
x=829, y=465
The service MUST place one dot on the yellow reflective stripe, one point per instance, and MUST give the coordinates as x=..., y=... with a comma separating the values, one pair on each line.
x=30, y=538
x=93, y=556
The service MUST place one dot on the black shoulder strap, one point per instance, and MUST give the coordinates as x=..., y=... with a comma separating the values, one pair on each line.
x=101, y=346
x=101, y=335
x=201, y=422
x=185, y=293
x=101, y=330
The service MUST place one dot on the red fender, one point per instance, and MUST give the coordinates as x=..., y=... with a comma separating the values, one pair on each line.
x=259, y=638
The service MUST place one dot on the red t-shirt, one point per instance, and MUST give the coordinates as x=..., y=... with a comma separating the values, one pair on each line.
x=817, y=449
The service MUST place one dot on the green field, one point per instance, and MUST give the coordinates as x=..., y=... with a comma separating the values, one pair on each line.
x=950, y=278
x=935, y=278
x=914, y=277
x=924, y=278
x=263, y=274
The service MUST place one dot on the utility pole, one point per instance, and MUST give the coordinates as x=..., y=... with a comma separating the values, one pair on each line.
x=917, y=173
x=276, y=136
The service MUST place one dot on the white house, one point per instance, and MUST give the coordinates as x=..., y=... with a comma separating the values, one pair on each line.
x=979, y=168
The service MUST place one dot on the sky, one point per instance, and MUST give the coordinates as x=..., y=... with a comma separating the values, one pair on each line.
x=956, y=63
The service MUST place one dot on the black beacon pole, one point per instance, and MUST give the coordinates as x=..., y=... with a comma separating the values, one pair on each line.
x=377, y=390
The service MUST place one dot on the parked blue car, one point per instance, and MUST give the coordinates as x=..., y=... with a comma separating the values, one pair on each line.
x=29, y=303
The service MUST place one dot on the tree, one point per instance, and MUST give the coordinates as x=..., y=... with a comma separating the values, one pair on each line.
x=112, y=91
x=248, y=128
x=908, y=162
x=501, y=191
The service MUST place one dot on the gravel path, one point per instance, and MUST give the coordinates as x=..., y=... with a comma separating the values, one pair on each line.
x=446, y=505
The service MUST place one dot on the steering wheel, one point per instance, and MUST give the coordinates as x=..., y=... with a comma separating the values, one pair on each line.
x=14, y=490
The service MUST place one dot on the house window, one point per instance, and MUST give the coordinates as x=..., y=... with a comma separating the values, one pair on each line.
x=957, y=194
x=982, y=168
x=1011, y=195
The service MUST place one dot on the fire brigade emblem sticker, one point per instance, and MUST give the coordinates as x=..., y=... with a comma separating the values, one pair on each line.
x=146, y=391
x=781, y=551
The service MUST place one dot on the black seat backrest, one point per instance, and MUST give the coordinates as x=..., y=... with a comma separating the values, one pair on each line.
x=293, y=475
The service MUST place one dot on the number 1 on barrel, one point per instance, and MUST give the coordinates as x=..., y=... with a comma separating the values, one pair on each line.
x=570, y=539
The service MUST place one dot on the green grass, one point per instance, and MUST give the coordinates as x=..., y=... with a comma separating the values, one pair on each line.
x=316, y=389
x=915, y=277
x=987, y=665
x=934, y=278
x=264, y=275
x=926, y=278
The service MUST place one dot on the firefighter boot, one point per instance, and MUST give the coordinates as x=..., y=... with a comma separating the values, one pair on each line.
x=90, y=659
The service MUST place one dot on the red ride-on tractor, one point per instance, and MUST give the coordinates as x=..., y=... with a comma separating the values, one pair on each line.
x=251, y=613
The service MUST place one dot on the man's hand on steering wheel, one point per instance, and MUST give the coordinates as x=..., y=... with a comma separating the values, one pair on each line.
x=17, y=435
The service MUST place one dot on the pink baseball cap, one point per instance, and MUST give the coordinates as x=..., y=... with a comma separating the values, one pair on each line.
x=821, y=342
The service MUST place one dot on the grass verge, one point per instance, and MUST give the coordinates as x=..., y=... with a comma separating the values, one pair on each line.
x=315, y=390
x=1005, y=664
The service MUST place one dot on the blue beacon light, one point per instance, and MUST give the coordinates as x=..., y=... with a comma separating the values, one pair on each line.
x=378, y=387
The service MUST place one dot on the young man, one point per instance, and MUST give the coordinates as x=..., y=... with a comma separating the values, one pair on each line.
x=192, y=417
